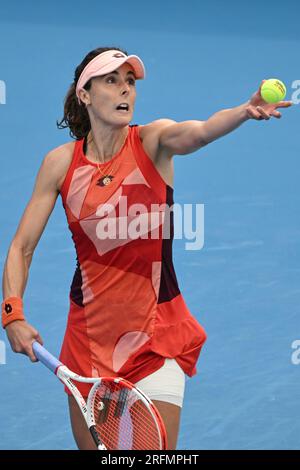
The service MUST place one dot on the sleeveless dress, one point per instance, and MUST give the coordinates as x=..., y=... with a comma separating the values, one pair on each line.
x=127, y=313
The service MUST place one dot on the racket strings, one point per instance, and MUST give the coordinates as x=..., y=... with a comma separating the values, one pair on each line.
x=123, y=420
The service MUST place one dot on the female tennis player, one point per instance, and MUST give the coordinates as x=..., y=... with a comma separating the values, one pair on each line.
x=127, y=316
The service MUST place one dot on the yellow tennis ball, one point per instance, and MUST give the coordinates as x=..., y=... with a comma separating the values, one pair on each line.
x=273, y=90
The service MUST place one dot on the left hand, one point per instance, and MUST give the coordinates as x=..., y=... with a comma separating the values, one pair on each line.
x=258, y=109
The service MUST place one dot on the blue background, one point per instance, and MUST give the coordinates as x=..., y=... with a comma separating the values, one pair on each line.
x=243, y=286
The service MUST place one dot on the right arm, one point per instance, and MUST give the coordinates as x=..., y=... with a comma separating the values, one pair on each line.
x=20, y=333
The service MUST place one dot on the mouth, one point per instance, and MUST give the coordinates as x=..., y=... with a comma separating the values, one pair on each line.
x=123, y=108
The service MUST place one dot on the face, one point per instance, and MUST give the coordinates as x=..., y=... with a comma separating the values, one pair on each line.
x=109, y=91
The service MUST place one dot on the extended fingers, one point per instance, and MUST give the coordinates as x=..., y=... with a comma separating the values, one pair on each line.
x=259, y=113
x=263, y=113
x=276, y=114
x=267, y=116
x=284, y=104
x=253, y=113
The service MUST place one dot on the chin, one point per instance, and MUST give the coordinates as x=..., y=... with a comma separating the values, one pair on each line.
x=125, y=119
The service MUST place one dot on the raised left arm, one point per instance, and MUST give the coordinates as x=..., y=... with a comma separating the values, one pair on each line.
x=181, y=138
x=188, y=136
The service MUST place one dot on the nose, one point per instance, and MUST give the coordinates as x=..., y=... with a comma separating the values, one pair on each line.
x=125, y=88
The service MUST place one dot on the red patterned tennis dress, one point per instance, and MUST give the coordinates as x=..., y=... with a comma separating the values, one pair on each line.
x=127, y=313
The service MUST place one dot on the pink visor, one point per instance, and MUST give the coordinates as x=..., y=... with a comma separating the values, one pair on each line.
x=108, y=62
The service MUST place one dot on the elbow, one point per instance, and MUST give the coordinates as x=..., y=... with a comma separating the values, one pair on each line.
x=22, y=249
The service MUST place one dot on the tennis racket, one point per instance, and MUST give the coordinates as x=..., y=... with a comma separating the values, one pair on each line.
x=118, y=415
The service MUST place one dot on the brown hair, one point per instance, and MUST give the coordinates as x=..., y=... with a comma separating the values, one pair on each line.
x=75, y=115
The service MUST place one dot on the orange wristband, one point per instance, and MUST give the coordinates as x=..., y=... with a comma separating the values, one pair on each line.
x=12, y=310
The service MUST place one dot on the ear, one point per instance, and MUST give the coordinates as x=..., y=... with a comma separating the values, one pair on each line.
x=84, y=97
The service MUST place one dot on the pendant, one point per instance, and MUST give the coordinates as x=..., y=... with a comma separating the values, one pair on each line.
x=107, y=179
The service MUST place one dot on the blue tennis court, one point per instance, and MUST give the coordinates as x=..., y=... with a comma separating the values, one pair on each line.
x=243, y=285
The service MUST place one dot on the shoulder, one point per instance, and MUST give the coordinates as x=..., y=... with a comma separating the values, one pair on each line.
x=154, y=128
x=57, y=161
x=59, y=153
x=150, y=137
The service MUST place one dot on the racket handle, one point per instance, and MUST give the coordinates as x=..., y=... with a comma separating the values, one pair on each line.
x=45, y=357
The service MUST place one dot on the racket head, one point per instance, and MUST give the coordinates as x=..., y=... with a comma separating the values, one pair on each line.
x=124, y=417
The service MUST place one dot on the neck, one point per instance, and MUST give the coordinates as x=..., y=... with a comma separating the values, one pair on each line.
x=105, y=145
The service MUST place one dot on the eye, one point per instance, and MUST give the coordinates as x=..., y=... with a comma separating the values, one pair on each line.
x=109, y=79
x=131, y=81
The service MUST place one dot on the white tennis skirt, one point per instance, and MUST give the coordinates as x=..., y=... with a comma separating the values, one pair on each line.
x=166, y=384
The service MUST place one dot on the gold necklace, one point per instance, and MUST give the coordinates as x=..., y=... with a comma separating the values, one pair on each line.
x=107, y=176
